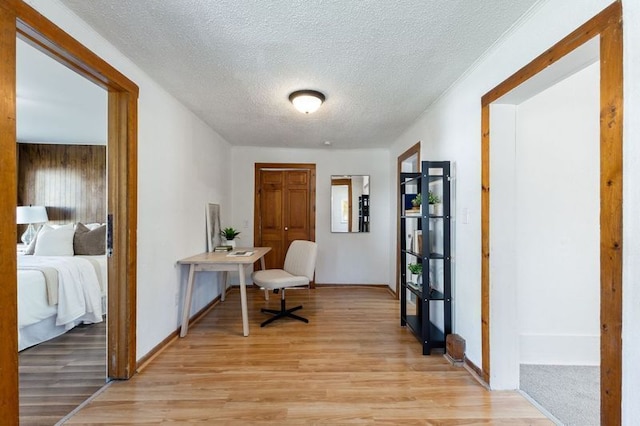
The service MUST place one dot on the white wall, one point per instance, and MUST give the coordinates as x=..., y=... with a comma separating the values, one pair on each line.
x=503, y=260
x=182, y=165
x=343, y=258
x=631, y=215
x=557, y=175
x=450, y=130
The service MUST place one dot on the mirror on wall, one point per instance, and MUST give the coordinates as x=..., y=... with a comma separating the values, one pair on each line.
x=350, y=203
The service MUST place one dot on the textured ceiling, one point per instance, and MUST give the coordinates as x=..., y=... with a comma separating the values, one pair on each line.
x=234, y=63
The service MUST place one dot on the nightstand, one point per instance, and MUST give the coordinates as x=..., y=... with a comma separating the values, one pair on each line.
x=22, y=249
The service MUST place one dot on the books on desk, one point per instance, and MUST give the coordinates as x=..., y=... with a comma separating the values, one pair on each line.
x=240, y=253
x=222, y=248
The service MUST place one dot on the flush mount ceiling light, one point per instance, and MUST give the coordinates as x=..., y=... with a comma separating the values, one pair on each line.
x=306, y=101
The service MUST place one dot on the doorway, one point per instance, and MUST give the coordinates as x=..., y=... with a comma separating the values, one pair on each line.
x=17, y=19
x=285, y=207
x=499, y=356
x=545, y=198
x=62, y=130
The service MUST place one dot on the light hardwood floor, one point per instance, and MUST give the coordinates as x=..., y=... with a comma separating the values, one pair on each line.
x=58, y=375
x=352, y=363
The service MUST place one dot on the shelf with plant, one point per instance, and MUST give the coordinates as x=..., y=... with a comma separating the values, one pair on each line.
x=433, y=198
x=435, y=206
x=416, y=270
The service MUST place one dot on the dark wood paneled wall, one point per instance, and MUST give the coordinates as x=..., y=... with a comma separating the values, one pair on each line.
x=69, y=180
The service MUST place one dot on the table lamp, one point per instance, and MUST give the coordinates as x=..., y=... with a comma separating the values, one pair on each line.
x=30, y=215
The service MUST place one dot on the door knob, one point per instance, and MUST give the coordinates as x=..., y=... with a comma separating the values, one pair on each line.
x=286, y=228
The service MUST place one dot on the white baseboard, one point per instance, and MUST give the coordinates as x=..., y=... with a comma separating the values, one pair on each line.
x=559, y=349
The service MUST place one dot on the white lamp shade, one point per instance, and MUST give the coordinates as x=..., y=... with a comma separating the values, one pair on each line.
x=306, y=101
x=31, y=214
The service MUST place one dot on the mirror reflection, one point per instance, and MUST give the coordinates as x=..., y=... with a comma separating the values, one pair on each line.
x=350, y=203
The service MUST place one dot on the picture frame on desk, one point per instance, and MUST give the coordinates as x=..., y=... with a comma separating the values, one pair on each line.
x=213, y=226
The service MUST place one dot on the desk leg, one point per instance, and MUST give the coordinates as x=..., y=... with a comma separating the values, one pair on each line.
x=266, y=292
x=223, y=282
x=186, y=306
x=243, y=300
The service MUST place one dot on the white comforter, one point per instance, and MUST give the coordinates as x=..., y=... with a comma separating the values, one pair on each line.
x=79, y=293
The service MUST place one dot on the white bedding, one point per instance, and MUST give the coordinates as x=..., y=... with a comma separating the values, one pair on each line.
x=81, y=286
x=33, y=305
x=100, y=264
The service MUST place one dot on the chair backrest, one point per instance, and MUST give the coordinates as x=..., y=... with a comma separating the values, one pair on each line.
x=301, y=258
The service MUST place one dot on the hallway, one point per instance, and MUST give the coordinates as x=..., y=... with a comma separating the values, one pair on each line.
x=352, y=363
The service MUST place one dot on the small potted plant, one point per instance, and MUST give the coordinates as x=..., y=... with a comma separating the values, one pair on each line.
x=416, y=269
x=229, y=234
x=434, y=204
x=417, y=203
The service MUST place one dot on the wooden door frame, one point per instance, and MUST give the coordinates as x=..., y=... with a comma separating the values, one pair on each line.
x=312, y=193
x=607, y=25
x=17, y=19
x=414, y=150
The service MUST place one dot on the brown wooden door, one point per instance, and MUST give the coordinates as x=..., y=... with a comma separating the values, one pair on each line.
x=285, y=208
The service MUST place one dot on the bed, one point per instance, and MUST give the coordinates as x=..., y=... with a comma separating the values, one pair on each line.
x=58, y=289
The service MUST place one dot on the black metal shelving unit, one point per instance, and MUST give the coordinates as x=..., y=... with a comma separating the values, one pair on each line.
x=425, y=307
x=363, y=213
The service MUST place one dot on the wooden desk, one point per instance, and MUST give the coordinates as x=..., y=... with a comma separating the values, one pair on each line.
x=220, y=261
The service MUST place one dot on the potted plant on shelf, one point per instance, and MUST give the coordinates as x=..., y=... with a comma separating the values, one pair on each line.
x=417, y=203
x=434, y=204
x=416, y=272
x=229, y=234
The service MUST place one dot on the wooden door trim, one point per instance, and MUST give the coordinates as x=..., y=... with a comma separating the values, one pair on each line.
x=608, y=26
x=53, y=41
x=17, y=19
x=414, y=150
x=9, y=381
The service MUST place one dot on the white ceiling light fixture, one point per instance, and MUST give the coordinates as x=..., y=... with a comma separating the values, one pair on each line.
x=306, y=101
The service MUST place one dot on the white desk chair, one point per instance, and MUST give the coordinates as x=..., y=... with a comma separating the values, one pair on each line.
x=299, y=266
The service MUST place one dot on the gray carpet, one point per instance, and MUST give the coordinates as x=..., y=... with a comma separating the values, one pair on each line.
x=571, y=393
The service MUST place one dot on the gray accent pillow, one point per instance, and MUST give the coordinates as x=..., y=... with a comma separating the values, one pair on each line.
x=90, y=242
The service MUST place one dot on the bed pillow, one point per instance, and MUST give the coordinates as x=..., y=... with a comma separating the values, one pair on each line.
x=89, y=242
x=55, y=241
x=93, y=226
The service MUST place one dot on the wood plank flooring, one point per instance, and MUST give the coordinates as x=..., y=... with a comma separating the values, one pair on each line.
x=352, y=364
x=58, y=375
